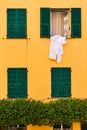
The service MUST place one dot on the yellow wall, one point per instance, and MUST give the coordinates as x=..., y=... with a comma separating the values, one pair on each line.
x=33, y=51
x=30, y=127
x=76, y=126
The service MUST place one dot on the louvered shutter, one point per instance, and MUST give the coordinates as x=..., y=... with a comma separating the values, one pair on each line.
x=21, y=25
x=76, y=22
x=22, y=83
x=44, y=22
x=16, y=23
x=17, y=82
x=11, y=23
x=12, y=83
x=61, y=82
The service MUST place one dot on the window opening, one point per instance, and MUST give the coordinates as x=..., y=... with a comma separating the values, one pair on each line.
x=62, y=127
x=17, y=127
x=60, y=22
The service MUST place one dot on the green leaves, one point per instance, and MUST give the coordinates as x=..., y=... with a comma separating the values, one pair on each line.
x=67, y=110
x=22, y=111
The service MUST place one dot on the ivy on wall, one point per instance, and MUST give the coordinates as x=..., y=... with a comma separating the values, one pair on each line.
x=22, y=111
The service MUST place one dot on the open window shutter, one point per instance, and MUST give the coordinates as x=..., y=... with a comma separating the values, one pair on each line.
x=22, y=83
x=61, y=82
x=44, y=22
x=11, y=23
x=12, y=83
x=22, y=23
x=76, y=22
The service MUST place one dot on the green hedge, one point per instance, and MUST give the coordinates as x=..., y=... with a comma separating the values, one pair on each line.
x=22, y=111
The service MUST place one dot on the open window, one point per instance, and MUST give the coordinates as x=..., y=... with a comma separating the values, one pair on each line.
x=60, y=21
x=62, y=127
x=17, y=127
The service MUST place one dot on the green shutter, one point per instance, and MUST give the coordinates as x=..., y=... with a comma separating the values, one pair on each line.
x=16, y=23
x=17, y=82
x=11, y=23
x=12, y=83
x=22, y=23
x=22, y=83
x=44, y=22
x=61, y=82
x=76, y=22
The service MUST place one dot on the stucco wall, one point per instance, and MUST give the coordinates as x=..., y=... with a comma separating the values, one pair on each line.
x=33, y=52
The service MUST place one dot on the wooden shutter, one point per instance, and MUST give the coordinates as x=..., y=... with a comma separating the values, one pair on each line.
x=22, y=23
x=22, y=83
x=12, y=83
x=17, y=82
x=44, y=22
x=11, y=23
x=61, y=82
x=16, y=23
x=76, y=22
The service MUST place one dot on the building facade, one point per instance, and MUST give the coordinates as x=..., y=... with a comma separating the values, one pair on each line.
x=27, y=71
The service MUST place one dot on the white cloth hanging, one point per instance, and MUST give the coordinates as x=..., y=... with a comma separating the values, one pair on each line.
x=56, y=49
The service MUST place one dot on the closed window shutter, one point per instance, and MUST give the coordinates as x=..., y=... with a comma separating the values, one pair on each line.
x=76, y=22
x=61, y=82
x=12, y=83
x=16, y=23
x=17, y=82
x=22, y=23
x=11, y=23
x=44, y=22
x=22, y=83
